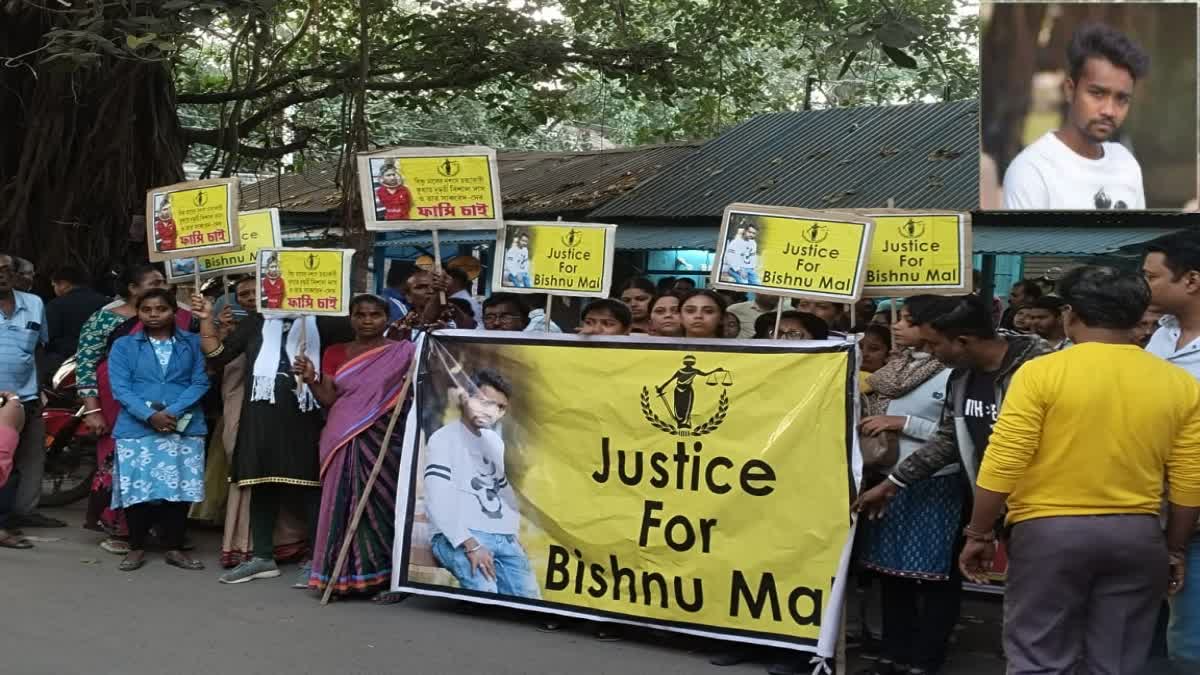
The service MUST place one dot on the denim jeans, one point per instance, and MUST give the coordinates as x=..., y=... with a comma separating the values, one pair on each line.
x=748, y=277
x=519, y=280
x=1183, y=632
x=514, y=576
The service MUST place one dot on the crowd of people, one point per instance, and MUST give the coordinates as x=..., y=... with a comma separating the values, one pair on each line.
x=1064, y=425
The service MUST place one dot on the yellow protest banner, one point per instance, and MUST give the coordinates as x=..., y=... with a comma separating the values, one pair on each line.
x=295, y=281
x=256, y=229
x=555, y=257
x=194, y=218
x=430, y=188
x=793, y=252
x=919, y=251
x=634, y=480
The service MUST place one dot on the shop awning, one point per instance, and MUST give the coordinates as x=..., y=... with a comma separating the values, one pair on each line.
x=1062, y=240
x=629, y=238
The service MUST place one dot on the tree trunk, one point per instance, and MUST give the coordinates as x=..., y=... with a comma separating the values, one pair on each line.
x=78, y=149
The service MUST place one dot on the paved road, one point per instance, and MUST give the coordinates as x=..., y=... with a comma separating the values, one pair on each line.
x=67, y=609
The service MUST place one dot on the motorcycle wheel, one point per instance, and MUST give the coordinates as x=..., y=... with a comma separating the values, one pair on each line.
x=68, y=477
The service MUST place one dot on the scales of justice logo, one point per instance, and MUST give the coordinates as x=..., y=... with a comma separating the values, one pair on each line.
x=572, y=238
x=913, y=229
x=449, y=168
x=200, y=199
x=815, y=233
x=680, y=404
x=312, y=262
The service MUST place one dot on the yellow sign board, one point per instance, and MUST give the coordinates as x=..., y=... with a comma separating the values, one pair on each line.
x=646, y=483
x=793, y=252
x=190, y=219
x=296, y=281
x=256, y=230
x=430, y=188
x=559, y=258
x=919, y=251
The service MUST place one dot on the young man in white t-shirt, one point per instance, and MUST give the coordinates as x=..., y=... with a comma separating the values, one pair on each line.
x=516, y=262
x=469, y=500
x=1077, y=166
x=741, y=256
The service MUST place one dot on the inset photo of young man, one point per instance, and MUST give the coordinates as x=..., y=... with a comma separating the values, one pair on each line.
x=1089, y=106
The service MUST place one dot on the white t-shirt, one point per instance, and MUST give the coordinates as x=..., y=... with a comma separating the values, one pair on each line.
x=740, y=254
x=466, y=487
x=516, y=260
x=1049, y=175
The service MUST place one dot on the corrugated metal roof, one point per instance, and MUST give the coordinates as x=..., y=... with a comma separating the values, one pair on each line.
x=1062, y=241
x=544, y=184
x=533, y=184
x=995, y=240
x=922, y=156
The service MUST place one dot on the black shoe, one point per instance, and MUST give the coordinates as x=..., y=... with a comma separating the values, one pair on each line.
x=37, y=520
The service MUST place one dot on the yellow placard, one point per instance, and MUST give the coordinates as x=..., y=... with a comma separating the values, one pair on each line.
x=256, y=230
x=294, y=281
x=560, y=258
x=792, y=252
x=189, y=219
x=643, y=482
x=917, y=252
x=412, y=188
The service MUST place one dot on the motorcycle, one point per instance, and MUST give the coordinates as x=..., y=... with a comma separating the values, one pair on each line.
x=70, y=446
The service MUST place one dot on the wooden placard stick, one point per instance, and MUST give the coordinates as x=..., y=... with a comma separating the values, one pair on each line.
x=366, y=495
x=437, y=264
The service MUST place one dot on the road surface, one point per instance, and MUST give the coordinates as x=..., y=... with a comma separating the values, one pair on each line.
x=67, y=609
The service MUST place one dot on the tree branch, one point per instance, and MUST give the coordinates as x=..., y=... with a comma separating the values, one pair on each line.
x=204, y=98
x=218, y=138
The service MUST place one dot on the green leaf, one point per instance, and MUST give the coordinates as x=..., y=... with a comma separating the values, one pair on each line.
x=135, y=42
x=899, y=58
x=856, y=43
x=895, y=34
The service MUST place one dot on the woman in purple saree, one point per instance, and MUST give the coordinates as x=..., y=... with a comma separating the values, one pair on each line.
x=359, y=385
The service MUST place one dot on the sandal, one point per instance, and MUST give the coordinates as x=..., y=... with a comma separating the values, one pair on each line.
x=115, y=546
x=129, y=564
x=14, y=541
x=389, y=598
x=183, y=562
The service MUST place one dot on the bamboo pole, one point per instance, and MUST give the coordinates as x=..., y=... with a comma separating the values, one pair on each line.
x=385, y=448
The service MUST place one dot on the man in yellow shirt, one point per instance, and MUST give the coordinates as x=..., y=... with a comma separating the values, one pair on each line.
x=1079, y=452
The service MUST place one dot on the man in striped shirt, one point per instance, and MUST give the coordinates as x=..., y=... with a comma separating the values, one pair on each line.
x=23, y=334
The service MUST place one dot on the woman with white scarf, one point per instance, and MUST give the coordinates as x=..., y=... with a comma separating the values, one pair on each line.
x=276, y=451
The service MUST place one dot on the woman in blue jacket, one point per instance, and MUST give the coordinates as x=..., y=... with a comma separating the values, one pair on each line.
x=158, y=376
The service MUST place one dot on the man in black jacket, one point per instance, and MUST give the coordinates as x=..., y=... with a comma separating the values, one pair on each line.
x=959, y=333
x=75, y=303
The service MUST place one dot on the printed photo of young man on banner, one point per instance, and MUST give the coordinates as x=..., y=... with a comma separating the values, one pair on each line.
x=819, y=255
x=652, y=485
x=186, y=220
x=304, y=281
x=430, y=188
x=555, y=257
x=257, y=230
x=1071, y=105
